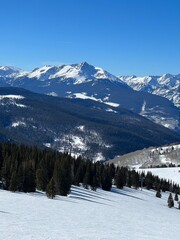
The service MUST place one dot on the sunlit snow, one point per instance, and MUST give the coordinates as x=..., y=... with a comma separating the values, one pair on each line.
x=126, y=214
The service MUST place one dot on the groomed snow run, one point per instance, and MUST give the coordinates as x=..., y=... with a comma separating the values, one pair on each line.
x=126, y=214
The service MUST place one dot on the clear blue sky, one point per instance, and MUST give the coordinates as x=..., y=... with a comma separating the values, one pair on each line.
x=125, y=37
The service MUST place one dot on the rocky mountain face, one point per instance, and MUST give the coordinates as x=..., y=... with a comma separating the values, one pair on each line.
x=167, y=86
x=79, y=126
x=88, y=82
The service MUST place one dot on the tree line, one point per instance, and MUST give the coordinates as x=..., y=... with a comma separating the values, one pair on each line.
x=26, y=169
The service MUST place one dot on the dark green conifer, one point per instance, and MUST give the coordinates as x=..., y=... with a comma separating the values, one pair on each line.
x=41, y=179
x=119, y=180
x=13, y=182
x=106, y=181
x=62, y=176
x=170, y=201
x=158, y=193
x=176, y=197
x=87, y=181
x=50, y=189
x=128, y=179
x=135, y=179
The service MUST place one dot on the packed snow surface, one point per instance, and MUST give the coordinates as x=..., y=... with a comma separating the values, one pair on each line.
x=126, y=214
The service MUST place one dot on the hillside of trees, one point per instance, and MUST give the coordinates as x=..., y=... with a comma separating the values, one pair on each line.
x=26, y=169
x=108, y=130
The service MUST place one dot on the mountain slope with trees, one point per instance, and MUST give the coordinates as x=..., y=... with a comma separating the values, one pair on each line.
x=86, y=127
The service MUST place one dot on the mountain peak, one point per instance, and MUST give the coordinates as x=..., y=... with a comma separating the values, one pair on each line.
x=7, y=70
x=84, y=64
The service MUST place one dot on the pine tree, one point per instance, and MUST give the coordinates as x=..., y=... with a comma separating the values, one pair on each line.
x=176, y=197
x=158, y=193
x=62, y=176
x=119, y=181
x=128, y=179
x=41, y=179
x=135, y=179
x=51, y=190
x=87, y=178
x=170, y=201
x=94, y=184
x=13, y=182
x=106, y=181
x=79, y=174
x=149, y=180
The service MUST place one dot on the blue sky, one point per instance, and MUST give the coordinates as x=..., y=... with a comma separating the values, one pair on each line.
x=125, y=37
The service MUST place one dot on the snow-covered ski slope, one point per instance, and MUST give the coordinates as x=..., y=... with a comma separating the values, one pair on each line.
x=126, y=214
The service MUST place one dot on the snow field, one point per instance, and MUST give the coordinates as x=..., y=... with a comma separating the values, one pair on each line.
x=126, y=214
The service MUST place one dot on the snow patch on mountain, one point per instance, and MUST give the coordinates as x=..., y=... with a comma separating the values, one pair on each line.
x=11, y=97
x=18, y=124
x=54, y=94
x=11, y=100
x=81, y=128
x=110, y=110
x=84, y=95
x=112, y=104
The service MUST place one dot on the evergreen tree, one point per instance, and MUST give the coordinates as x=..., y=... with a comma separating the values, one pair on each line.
x=28, y=184
x=149, y=181
x=94, y=183
x=119, y=180
x=170, y=201
x=158, y=193
x=106, y=181
x=128, y=179
x=41, y=179
x=176, y=197
x=62, y=176
x=13, y=182
x=135, y=179
x=51, y=190
x=88, y=177
x=79, y=174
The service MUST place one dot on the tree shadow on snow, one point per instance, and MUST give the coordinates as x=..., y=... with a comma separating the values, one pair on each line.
x=5, y=212
x=80, y=197
x=116, y=191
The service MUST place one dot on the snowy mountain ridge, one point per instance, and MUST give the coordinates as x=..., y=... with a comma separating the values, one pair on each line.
x=167, y=85
x=81, y=72
x=88, y=82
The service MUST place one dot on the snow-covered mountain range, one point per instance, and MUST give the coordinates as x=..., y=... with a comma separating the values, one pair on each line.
x=166, y=85
x=88, y=82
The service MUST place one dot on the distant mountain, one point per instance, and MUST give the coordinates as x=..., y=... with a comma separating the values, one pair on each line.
x=150, y=157
x=93, y=129
x=167, y=86
x=88, y=82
